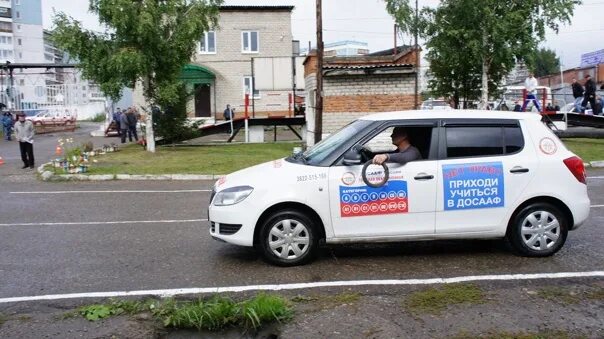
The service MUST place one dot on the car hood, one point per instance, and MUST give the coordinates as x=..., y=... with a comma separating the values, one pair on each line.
x=262, y=175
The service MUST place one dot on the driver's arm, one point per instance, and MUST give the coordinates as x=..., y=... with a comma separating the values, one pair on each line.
x=400, y=158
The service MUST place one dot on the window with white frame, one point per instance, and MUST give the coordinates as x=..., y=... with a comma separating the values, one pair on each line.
x=207, y=44
x=250, y=42
x=248, y=84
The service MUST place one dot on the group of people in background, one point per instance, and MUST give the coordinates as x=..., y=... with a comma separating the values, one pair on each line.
x=126, y=121
x=586, y=93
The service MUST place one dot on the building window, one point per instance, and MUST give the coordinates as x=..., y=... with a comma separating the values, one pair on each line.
x=21, y=82
x=18, y=15
x=17, y=2
x=19, y=28
x=19, y=42
x=207, y=44
x=249, y=42
x=248, y=84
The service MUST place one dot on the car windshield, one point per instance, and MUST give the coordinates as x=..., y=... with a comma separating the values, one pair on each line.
x=323, y=149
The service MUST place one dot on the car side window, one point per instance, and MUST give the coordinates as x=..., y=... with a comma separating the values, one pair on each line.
x=473, y=141
x=419, y=137
x=514, y=141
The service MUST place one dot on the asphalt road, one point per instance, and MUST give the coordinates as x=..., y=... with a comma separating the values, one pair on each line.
x=100, y=237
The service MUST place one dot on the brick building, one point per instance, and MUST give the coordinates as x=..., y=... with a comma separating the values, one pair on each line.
x=221, y=70
x=357, y=86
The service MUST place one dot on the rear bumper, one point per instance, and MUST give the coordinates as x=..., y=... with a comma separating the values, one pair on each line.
x=580, y=209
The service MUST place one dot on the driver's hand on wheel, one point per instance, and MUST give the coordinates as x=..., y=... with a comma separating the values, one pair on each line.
x=380, y=159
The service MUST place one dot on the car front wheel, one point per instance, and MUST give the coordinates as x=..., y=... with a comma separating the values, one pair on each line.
x=538, y=230
x=288, y=238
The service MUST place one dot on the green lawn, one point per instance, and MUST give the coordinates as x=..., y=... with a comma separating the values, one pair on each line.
x=221, y=159
x=587, y=149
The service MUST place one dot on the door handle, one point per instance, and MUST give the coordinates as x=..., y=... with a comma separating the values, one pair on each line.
x=519, y=169
x=423, y=176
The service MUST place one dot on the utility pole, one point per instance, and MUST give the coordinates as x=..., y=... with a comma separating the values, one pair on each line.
x=417, y=69
x=319, y=94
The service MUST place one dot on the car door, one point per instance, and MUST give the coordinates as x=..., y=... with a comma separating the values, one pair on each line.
x=484, y=168
x=404, y=206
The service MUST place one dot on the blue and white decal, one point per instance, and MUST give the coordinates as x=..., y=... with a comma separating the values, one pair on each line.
x=471, y=186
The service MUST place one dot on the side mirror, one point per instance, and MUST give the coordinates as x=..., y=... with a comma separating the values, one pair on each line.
x=352, y=157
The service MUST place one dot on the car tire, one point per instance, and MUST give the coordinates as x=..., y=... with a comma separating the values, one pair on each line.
x=288, y=238
x=538, y=230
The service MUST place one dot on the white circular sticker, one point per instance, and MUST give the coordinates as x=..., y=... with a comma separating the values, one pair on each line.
x=348, y=178
x=548, y=146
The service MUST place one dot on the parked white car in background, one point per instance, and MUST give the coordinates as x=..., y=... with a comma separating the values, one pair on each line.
x=483, y=175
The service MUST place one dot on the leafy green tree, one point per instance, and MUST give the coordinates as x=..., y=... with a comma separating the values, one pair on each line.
x=489, y=34
x=544, y=62
x=145, y=41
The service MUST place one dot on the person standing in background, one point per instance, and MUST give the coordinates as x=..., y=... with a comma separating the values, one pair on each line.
x=578, y=95
x=590, y=94
x=24, y=131
x=531, y=92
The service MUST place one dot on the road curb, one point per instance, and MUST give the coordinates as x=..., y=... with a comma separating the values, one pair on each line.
x=49, y=176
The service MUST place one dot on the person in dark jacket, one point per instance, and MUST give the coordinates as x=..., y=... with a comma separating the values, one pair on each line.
x=7, y=125
x=590, y=93
x=124, y=127
x=405, y=151
x=132, y=120
x=578, y=95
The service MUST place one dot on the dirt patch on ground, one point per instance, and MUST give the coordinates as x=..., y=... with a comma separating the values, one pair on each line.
x=502, y=310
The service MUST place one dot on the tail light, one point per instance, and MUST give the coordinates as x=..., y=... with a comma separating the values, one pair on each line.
x=576, y=167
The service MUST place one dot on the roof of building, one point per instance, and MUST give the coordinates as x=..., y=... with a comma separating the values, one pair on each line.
x=257, y=8
x=365, y=66
x=390, y=51
x=451, y=114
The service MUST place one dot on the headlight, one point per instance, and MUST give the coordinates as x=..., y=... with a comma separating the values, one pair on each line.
x=232, y=196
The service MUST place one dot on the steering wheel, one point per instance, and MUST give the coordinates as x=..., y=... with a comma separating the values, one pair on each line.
x=378, y=184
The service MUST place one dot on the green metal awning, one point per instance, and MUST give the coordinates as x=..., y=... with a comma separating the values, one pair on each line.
x=195, y=74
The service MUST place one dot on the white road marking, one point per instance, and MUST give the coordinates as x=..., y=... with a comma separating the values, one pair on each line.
x=297, y=286
x=116, y=191
x=105, y=222
x=596, y=177
x=595, y=206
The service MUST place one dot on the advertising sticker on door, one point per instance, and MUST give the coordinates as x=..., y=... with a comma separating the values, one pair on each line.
x=364, y=200
x=471, y=186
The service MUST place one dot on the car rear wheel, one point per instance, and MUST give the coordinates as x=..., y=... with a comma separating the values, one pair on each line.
x=288, y=238
x=538, y=230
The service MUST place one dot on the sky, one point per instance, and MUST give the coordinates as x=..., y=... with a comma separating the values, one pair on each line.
x=368, y=21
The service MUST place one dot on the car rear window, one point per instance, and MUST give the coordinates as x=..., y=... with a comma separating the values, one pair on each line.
x=476, y=141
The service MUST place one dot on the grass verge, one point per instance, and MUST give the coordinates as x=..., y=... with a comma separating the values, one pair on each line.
x=587, y=149
x=2, y=319
x=435, y=300
x=209, y=314
x=221, y=159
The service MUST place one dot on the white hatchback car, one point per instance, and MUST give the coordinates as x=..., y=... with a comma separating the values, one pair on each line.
x=483, y=175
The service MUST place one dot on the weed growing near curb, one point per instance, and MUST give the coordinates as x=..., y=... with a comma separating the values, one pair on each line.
x=435, y=300
x=264, y=308
x=211, y=314
x=2, y=319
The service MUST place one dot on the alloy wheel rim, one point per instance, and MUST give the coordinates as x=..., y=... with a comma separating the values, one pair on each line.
x=289, y=239
x=540, y=230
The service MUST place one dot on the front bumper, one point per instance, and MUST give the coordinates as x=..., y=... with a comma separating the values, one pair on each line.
x=233, y=224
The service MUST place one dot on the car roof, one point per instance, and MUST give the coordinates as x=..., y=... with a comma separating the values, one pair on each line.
x=451, y=114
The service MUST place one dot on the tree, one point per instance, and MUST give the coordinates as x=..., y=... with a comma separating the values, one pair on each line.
x=145, y=41
x=544, y=62
x=489, y=34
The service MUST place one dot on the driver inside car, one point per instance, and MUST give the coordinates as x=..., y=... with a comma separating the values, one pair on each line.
x=405, y=151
